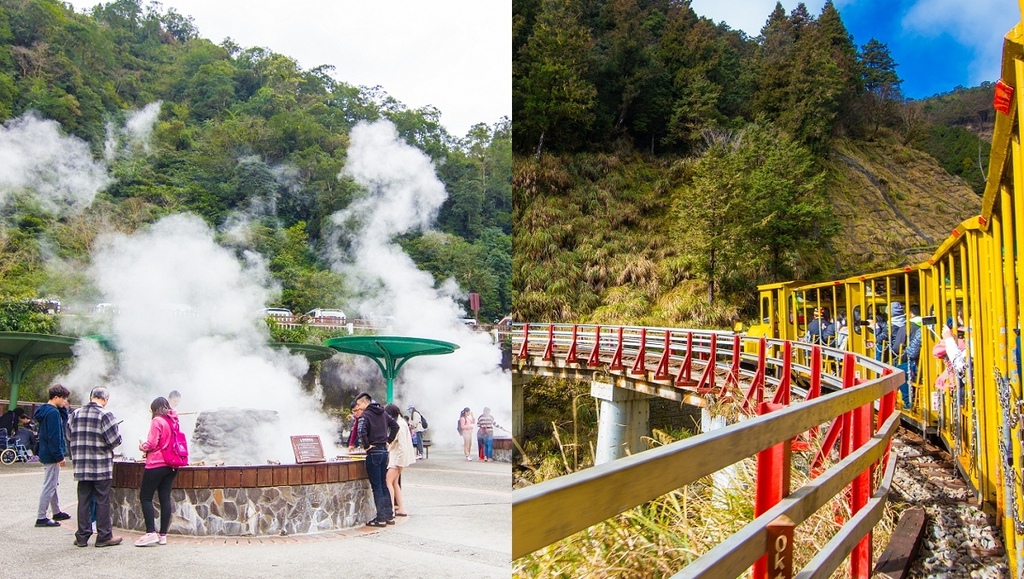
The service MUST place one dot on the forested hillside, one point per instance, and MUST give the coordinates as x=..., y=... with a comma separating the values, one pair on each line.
x=180, y=124
x=666, y=165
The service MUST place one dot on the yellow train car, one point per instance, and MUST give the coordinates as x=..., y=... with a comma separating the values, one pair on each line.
x=966, y=296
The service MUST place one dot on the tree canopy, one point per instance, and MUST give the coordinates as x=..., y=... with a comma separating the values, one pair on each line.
x=238, y=130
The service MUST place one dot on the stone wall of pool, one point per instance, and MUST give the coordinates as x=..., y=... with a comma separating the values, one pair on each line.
x=252, y=500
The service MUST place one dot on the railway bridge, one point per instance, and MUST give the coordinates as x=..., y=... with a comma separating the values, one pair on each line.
x=846, y=406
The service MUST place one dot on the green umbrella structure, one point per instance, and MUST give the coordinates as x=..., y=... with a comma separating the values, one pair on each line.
x=21, y=351
x=312, y=352
x=390, y=352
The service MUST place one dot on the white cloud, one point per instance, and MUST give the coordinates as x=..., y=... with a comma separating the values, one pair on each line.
x=979, y=26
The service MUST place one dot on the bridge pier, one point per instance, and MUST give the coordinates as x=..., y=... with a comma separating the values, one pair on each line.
x=519, y=382
x=623, y=419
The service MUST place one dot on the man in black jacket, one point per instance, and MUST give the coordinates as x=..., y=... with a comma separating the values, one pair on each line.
x=376, y=430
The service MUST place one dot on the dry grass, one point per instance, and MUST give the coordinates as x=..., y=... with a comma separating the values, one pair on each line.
x=659, y=538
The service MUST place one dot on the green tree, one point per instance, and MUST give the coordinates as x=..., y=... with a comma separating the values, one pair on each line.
x=551, y=96
x=882, y=96
x=787, y=218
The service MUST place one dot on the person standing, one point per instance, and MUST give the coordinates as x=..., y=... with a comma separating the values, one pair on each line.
x=466, y=423
x=376, y=430
x=94, y=436
x=417, y=429
x=485, y=433
x=400, y=455
x=52, y=453
x=158, y=476
x=174, y=398
x=353, y=434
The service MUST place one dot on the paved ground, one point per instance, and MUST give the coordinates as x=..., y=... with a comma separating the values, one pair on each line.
x=460, y=525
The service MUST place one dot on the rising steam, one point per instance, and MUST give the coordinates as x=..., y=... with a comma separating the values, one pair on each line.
x=56, y=170
x=403, y=195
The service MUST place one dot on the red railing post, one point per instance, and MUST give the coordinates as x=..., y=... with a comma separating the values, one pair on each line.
x=523, y=351
x=571, y=355
x=662, y=372
x=640, y=364
x=782, y=395
x=549, y=350
x=707, y=379
x=617, y=356
x=595, y=355
x=860, y=558
x=733, y=379
x=840, y=427
x=683, y=377
x=773, y=472
x=756, y=390
x=885, y=410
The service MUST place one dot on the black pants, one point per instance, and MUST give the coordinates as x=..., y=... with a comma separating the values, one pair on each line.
x=160, y=481
x=87, y=491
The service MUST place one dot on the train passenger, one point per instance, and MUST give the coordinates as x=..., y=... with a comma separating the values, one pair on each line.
x=842, y=330
x=911, y=354
x=821, y=330
x=880, y=328
x=952, y=352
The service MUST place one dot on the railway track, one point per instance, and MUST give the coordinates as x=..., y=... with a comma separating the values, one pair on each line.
x=958, y=539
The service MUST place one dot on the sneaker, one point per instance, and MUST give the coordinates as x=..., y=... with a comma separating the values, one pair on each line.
x=147, y=540
x=81, y=543
x=469, y=458
x=162, y=540
x=111, y=542
x=46, y=523
x=61, y=517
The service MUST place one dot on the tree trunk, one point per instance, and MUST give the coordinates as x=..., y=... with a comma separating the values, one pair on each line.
x=540, y=144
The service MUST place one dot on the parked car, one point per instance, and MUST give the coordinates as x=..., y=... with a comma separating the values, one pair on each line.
x=323, y=315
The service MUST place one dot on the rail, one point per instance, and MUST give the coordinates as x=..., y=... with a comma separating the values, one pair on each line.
x=725, y=363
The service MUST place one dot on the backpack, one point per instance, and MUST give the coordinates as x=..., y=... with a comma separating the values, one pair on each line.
x=176, y=454
x=898, y=344
x=423, y=421
x=458, y=425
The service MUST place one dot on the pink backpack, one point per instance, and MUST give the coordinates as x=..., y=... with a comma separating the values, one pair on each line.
x=176, y=454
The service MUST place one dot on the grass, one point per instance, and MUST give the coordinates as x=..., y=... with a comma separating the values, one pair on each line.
x=661, y=537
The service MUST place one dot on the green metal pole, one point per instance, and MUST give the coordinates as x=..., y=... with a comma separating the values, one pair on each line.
x=14, y=394
x=391, y=389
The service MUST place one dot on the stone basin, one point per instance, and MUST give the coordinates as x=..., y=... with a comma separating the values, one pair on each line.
x=252, y=499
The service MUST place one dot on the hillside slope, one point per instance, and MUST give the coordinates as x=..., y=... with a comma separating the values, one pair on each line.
x=895, y=203
x=594, y=239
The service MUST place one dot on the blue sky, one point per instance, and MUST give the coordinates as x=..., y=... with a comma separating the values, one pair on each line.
x=938, y=44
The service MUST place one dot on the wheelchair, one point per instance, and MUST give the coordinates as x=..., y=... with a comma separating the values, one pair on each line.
x=11, y=450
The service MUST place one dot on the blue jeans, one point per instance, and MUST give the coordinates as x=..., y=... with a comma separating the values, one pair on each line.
x=905, y=387
x=417, y=439
x=376, y=471
x=488, y=444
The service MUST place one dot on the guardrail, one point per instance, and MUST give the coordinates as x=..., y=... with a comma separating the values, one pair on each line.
x=588, y=497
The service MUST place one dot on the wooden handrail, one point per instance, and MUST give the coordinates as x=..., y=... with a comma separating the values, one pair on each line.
x=734, y=555
x=590, y=496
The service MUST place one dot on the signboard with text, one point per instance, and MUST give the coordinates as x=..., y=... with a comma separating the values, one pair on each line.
x=307, y=448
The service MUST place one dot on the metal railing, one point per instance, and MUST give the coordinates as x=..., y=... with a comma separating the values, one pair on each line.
x=727, y=364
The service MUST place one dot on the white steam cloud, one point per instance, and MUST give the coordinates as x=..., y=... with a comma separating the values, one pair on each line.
x=403, y=194
x=134, y=137
x=58, y=170
x=189, y=321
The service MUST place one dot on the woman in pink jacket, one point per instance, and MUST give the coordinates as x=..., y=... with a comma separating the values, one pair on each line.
x=159, y=476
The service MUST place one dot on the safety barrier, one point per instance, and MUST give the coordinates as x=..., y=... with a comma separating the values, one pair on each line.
x=724, y=365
